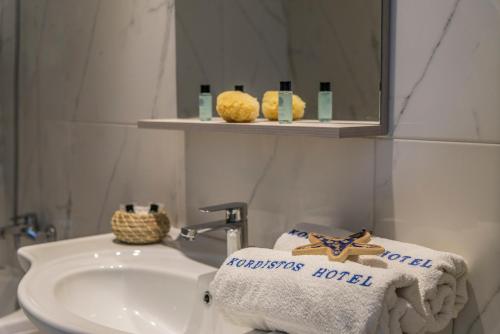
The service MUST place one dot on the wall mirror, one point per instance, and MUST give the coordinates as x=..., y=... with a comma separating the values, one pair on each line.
x=258, y=43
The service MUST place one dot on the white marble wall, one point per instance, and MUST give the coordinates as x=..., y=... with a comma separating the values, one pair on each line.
x=7, y=33
x=434, y=181
x=447, y=71
x=9, y=276
x=285, y=180
x=437, y=179
x=90, y=70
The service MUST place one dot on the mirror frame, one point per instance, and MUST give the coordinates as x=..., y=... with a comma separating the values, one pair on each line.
x=387, y=36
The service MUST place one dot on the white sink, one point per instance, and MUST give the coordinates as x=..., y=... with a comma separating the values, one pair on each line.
x=94, y=285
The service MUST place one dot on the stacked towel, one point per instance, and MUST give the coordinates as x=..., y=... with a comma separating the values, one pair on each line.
x=272, y=290
x=441, y=276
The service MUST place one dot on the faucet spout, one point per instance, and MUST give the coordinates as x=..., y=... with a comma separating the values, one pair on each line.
x=22, y=225
x=190, y=232
x=235, y=225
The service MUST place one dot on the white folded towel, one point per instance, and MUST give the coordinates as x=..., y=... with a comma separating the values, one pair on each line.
x=441, y=276
x=271, y=290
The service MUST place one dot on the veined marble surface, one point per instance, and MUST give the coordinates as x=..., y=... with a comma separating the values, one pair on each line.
x=447, y=70
x=445, y=196
x=441, y=188
x=84, y=60
x=9, y=277
x=90, y=70
x=6, y=118
x=285, y=180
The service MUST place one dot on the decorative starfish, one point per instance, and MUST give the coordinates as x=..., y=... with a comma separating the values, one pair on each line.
x=338, y=249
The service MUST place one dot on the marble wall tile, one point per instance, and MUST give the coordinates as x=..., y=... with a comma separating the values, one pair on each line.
x=114, y=165
x=445, y=196
x=44, y=170
x=285, y=180
x=7, y=53
x=9, y=279
x=87, y=170
x=83, y=60
x=447, y=71
x=90, y=70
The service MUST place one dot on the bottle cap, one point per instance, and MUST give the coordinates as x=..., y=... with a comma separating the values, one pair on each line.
x=205, y=88
x=286, y=86
x=324, y=87
x=239, y=88
x=154, y=208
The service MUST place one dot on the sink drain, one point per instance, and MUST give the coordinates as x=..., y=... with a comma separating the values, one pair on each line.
x=207, y=297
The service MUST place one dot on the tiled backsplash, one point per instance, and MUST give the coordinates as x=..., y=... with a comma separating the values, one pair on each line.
x=285, y=180
x=92, y=72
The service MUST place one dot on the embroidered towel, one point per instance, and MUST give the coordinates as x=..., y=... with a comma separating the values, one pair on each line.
x=441, y=276
x=274, y=291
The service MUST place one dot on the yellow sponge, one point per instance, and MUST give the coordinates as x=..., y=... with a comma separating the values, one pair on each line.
x=237, y=107
x=270, y=106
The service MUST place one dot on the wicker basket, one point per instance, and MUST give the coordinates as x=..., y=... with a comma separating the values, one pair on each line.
x=140, y=228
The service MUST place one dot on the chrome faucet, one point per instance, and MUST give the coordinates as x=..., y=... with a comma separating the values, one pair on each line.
x=235, y=225
x=27, y=225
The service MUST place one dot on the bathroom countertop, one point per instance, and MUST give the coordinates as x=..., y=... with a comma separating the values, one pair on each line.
x=204, y=249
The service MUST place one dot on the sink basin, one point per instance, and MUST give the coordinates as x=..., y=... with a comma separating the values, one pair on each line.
x=144, y=300
x=94, y=285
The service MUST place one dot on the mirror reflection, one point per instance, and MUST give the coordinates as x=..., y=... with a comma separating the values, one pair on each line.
x=259, y=43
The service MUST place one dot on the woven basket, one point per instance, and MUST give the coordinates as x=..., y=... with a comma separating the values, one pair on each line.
x=137, y=228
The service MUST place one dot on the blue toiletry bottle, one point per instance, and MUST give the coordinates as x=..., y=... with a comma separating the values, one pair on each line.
x=205, y=103
x=325, y=102
x=285, y=107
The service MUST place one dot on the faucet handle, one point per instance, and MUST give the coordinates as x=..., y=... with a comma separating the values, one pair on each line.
x=235, y=211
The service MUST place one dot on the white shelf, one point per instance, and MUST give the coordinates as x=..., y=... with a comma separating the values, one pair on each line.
x=335, y=129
